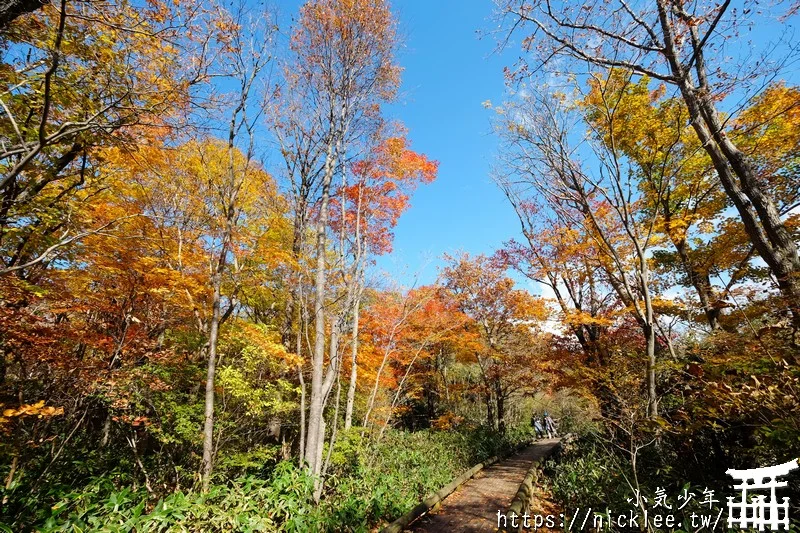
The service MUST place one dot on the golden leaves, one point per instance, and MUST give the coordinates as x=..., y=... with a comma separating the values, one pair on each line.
x=38, y=409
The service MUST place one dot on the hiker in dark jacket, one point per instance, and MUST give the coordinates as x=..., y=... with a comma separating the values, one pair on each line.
x=550, y=426
x=537, y=426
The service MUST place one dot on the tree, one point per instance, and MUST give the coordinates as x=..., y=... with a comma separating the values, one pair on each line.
x=677, y=43
x=483, y=292
x=247, y=50
x=344, y=57
x=365, y=213
x=563, y=259
x=676, y=177
x=79, y=76
x=543, y=169
x=676, y=180
x=11, y=9
x=435, y=323
x=218, y=219
x=385, y=328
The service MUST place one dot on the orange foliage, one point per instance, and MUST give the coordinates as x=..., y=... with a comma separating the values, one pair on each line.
x=384, y=181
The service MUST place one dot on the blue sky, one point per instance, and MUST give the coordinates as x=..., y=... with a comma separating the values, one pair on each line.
x=448, y=73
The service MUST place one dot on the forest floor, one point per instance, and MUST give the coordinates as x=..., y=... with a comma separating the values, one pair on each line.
x=473, y=507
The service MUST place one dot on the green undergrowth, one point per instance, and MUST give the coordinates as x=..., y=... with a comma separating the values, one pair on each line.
x=368, y=483
x=591, y=473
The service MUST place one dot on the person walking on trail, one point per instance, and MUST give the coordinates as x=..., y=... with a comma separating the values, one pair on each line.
x=545, y=427
x=537, y=426
x=550, y=426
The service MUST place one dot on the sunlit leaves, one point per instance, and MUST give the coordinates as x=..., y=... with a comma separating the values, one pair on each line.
x=380, y=192
x=38, y=409
x=253, y=361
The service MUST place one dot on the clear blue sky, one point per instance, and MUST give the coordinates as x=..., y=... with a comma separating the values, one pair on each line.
x=448, y=73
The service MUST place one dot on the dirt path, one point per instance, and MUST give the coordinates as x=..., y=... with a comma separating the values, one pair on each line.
x=473, y=507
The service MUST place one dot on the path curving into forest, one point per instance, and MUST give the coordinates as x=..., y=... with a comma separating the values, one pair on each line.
x=473, y=507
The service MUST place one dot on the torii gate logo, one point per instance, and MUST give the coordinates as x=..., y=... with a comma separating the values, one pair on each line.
x=756, y=511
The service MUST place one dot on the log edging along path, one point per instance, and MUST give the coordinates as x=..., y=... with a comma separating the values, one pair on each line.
x=524, y=498
x=434, y=499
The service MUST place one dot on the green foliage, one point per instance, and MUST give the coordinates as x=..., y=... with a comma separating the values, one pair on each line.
x=586, y=475
x=254, y=352
x=281, y=503
x=589, y=473
x=374, y=482
x=369, y=483
x=178, y=409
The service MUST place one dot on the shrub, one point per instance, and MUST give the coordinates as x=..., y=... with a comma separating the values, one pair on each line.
x=368, y=483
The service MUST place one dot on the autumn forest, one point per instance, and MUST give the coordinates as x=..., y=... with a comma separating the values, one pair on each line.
x=195, y=334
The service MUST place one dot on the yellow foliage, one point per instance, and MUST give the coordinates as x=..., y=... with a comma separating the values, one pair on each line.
x=38, y=409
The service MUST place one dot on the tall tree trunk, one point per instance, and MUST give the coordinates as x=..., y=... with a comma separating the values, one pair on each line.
x=758, y=212
x=302, y=412
x=302, y=323
x=652, y=393
x=351, y=389
x=649, y=334
x=761, y=219
x=315, y=432
x=501, y=406
x=702, y=285
x=330, y=376
x=490, y=420
x=645, y=318
x=699, y=280
x=293, y=304
x=213, y=335
x=333, y=356
x=332, y=442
